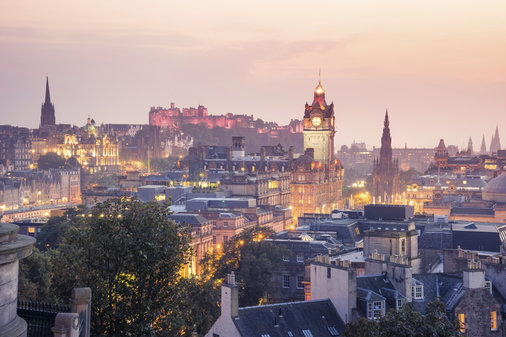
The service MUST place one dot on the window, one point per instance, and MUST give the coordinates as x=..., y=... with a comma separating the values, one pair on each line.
x=333, y=331
x=403, y=244
x=462, y=322
x=493, y=320
x=225, y=223
x=417, y=292
x=214, y=239
x=307, y=333
x=328, y=272
x=225, y=238
x=488, y=285
x=290, y=334
x=378, y=309
x=400, y=304
x=286, y=258
x=300, y=280
x=286, y=281
x=300, y=257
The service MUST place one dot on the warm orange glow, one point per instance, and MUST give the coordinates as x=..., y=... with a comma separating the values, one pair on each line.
x=462, y=322
x=493, y=320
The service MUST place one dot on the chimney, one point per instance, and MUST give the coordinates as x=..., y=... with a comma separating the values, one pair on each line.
x=336, y=281
x=230, y=297
x=474, y=275
x=375, y=264
x=309, y=152
x=238, y=144
x=400, y=274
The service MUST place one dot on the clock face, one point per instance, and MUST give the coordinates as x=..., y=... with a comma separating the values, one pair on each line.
x=316, y=121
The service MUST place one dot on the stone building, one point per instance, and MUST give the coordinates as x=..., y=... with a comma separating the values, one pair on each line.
x=385, y=174
x=390, y=283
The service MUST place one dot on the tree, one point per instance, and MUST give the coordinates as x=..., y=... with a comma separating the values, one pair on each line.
x=407, y=323
x=130, y=254
x=35, y=273
x=50, y=160
x=253, y=260
x=162, y=164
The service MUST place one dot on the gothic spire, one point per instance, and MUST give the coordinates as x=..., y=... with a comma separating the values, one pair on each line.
x=470, y=146
x=48, y=96
x=47, y=111
x=483, y=148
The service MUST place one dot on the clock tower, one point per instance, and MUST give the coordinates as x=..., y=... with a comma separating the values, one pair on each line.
x=319, y=127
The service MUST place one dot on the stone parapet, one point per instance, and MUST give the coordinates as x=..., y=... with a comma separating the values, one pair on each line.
x=13, y=247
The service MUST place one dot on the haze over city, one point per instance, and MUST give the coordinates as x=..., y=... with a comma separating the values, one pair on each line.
x=439, y=67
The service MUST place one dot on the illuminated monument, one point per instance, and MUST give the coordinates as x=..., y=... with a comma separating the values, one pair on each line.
x=319, y=127
x=317, y=178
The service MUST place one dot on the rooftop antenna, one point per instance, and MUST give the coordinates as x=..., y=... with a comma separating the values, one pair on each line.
x=320, y=75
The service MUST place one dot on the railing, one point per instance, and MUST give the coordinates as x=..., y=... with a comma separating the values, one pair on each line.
x=40, y=316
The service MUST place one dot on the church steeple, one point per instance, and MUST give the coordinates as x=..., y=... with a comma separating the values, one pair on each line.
x=483, y=148
x=47, y=111
x=48, y=96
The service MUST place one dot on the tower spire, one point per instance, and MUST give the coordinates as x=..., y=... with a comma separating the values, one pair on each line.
x=48, y=96
x=47, y=111
x=483, y=148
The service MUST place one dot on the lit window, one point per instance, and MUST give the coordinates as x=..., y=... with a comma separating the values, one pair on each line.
x=300, y=280
x=31, y=230
x=493, y=320
x=286, y=258
x=286, y=281
x=462, y=322
x=300, y=257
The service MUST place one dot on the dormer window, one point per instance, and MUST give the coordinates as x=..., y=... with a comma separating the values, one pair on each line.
x=417, y=292
x=375, y=310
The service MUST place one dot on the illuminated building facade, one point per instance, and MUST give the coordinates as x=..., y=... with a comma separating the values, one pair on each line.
x=95, y=153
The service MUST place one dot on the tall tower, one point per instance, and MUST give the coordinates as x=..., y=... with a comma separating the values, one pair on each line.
x=441, y=156
x=470, y=146
x=319, y=129
x=47, y=111
x=385, y=175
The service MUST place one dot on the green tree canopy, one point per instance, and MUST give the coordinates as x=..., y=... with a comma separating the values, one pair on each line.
x=253, y=260
x=130, y=255
x=406, y=323
x=50, y=160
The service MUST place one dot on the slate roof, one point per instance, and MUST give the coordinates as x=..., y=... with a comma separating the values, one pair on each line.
x=279, y=320
x=380, y=288
x=194, y=220
x=447, y=286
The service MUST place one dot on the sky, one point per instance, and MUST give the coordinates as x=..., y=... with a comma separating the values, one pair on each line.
x=438, y=66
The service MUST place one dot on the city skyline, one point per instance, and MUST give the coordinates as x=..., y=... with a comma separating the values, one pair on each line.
x=444, y=71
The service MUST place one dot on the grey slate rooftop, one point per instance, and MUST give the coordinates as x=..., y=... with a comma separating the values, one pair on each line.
x=297, y=319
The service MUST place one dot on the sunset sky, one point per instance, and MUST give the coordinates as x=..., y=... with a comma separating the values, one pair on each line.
x=438, y=66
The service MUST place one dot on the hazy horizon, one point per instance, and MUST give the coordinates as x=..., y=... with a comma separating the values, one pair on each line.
x=439, y=68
